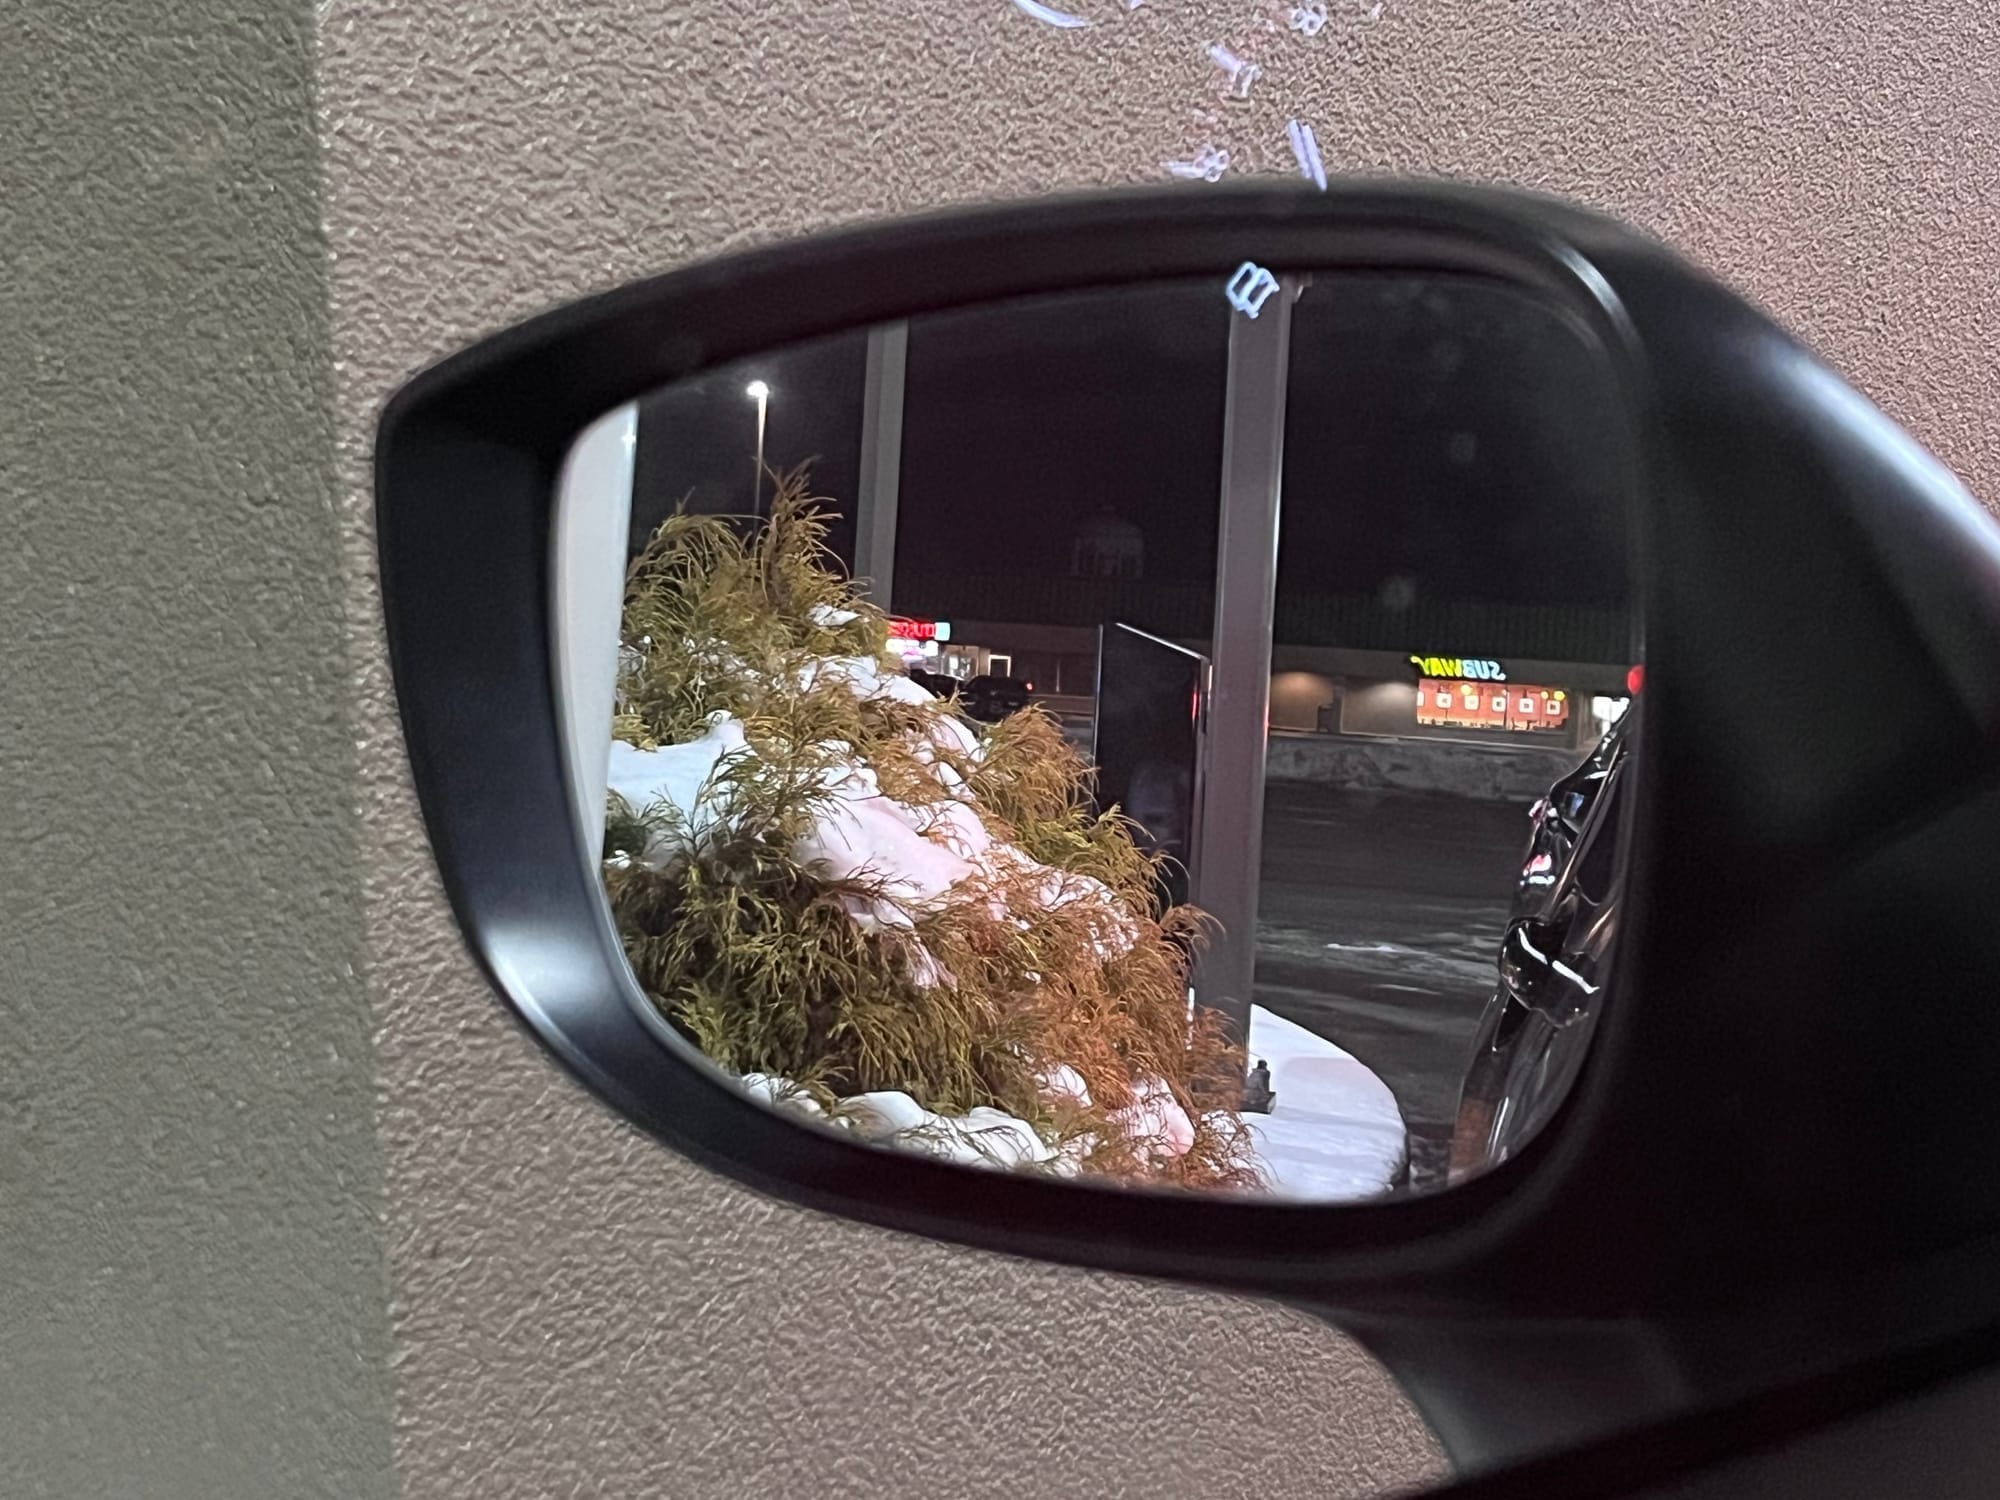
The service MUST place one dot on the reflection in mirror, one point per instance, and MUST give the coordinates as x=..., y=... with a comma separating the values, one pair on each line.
x=1169, y=736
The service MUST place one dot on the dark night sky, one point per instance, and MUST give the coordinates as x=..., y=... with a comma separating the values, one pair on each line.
x=698, y=439
x=1453, y=434
x=1447, y=433
x=1035, y=417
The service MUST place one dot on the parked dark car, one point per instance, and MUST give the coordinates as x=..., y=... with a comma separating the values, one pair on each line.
x=1558, y=943
x=991, y=699
x=938, y=684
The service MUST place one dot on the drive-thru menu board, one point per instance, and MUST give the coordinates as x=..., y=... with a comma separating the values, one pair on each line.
x=1444, y=703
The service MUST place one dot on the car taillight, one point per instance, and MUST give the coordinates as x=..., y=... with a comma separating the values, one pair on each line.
x=1028, y=687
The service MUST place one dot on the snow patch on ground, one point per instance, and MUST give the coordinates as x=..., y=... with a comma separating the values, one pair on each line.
x=1335, y=1134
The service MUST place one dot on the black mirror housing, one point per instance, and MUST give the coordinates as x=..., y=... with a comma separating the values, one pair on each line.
x=1790, y=1107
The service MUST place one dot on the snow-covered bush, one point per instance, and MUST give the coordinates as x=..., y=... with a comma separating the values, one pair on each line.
x=841, y=889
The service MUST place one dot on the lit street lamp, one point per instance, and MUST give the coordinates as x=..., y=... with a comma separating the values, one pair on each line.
x=759, y=392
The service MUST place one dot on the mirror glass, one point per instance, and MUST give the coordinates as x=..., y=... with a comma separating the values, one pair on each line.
x=1165, y=736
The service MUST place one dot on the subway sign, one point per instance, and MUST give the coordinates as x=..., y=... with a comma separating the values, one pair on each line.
x=920, y=630
x=1464, y=668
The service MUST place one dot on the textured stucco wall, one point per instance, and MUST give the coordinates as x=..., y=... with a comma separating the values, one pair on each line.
x=193, y=1293
x=207, y=830
x=577, y=1312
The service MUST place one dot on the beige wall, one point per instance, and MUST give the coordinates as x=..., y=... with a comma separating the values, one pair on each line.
x=246, y=1256
x=576, y=1309
x=193, y=1285
x=1297, y=698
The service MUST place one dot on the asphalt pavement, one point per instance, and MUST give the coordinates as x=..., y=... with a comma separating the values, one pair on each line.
x=1379, y=918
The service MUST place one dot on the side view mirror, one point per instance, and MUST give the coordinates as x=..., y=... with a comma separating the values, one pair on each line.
x=1016, y=726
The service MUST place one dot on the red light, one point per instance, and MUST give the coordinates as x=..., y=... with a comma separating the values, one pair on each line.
x=1028, y=687
x=1634, y=680
x=913, y=630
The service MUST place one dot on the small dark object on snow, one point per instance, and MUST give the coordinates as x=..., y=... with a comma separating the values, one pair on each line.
x=1258, y=1098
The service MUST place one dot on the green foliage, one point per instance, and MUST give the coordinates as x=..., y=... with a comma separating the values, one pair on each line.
x=759, y=958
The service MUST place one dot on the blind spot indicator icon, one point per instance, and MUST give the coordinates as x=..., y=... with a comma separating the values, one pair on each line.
x=1250, y=288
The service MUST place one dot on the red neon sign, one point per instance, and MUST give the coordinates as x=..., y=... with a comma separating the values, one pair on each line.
x=919, y=630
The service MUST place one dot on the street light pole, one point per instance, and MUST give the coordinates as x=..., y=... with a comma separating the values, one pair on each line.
x=759, y=392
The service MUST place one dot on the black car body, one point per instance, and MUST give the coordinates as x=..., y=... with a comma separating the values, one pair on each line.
x=938, y=684
x=990, y=699
x=1552, y=962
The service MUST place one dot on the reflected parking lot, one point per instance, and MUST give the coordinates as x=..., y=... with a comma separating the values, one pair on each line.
x=1379, y=918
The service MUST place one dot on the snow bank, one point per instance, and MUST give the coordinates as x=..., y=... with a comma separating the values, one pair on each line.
x=1336, y=1131
x=862, y=836
x=985, y=1137
x=911, y=856
x=1335, y=1134
x=782, y=1093
x=980, y=1137
x=866, y=676
x=1064, y=1084
x=1156, y=1120
x=678, y=775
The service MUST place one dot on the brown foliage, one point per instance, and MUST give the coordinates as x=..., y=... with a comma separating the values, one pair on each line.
x=754, y=954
